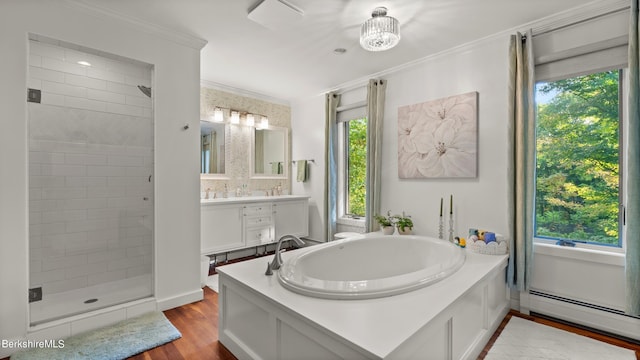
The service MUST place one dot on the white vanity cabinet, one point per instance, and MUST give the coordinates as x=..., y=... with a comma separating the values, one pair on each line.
x=220, y=227
x=258, y=224
x=237, y=223
x=291, y=217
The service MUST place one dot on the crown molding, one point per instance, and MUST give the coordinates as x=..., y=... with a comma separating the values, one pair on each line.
x=559, y=20
x=166, y=33
x=246, y=93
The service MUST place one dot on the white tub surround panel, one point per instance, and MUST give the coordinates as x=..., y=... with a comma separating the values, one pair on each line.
x=454, y=318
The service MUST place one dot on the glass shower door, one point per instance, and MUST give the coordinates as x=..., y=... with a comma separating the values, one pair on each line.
x=90, y=181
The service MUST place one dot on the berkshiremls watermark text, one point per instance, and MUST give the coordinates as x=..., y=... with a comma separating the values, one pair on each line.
x=31, y=344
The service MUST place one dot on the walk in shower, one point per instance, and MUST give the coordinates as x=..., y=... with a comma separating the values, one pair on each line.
x=90, y=180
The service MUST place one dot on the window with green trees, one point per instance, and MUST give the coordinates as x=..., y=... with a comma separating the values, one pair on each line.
x=356, y=166
x=578, y=159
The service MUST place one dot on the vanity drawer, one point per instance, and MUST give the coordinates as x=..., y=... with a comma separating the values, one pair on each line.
x=258, y=209
x=258, y=221
x=260, y=235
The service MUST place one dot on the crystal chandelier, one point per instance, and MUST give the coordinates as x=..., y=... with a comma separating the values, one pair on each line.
x=381, y=32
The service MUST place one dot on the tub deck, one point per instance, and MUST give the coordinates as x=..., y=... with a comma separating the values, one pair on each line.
x=451, y=319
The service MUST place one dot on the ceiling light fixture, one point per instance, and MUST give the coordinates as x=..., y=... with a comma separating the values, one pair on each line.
x=381, y=32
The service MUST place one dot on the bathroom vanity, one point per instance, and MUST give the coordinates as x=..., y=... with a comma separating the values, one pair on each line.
x=241, y=222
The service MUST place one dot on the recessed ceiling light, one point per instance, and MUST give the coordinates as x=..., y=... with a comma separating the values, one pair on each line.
x=84, y=63
x=339, y=51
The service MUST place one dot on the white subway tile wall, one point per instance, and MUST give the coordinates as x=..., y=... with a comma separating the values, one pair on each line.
x=90, y=162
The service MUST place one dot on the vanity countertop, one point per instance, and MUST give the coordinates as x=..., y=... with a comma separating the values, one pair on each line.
x=250, y=199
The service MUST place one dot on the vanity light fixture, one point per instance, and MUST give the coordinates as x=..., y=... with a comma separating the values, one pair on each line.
x=250, y=120
x=380, y=32
x=235, y=117
x=218, y=115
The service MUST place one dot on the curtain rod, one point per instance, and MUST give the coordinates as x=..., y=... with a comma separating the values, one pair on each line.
x=560, y=27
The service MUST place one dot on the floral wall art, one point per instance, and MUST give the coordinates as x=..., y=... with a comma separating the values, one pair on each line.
x=438, y=138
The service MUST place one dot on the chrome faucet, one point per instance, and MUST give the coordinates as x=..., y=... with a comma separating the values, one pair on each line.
x=277, y=259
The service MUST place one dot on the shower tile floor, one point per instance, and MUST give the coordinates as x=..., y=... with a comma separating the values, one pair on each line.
x=68, y=303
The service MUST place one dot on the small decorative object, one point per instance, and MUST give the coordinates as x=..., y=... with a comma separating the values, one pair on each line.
x=438, y=138
x=462, y=243
x=489, y=237
x=404, y=224
x=497, y=245
x=441, y=223
x=451, y=219
x=386, y=225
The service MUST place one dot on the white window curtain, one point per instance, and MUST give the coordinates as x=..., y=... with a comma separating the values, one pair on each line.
x=632, y=266
x=522, y=142
x=375, y=115
x=331, y=165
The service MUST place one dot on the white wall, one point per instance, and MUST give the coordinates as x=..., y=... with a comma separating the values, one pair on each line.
x=176, y=92
x=307, y=142
x=479, y=202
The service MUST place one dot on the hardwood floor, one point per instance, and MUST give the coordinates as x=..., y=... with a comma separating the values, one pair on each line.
x=198, y=323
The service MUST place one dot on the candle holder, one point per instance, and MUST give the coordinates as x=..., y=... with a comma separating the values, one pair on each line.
x=441, y=228
x=451, y=227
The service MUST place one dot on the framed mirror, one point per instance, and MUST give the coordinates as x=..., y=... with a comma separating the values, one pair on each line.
x=213, y=146
x=270, y=153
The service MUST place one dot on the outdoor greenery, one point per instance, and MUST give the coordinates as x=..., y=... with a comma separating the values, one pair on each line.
x=577, y=160
x=357, y=166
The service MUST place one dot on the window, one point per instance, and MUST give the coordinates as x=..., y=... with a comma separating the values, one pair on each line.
x=578, y=172
x=355, y=166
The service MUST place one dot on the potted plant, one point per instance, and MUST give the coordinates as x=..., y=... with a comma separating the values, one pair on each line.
x=404, y=224
x=386, y=226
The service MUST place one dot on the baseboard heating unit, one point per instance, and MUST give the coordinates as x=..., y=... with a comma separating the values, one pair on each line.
x=611, y=321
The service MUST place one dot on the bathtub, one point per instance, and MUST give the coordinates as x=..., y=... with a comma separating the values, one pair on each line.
x=450, y=319
x=370, y=267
